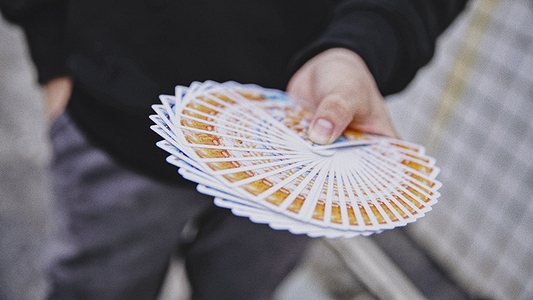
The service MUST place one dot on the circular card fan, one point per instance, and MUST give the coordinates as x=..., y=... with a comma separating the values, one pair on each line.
x=247, y=146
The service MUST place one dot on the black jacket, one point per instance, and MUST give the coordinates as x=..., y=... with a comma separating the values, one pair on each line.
x=123, y=54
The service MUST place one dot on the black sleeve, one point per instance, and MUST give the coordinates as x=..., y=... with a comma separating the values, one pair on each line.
x=43, y=22
x=394, y=37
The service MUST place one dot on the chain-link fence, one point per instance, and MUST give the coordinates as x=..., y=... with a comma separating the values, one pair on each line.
x=473, y=109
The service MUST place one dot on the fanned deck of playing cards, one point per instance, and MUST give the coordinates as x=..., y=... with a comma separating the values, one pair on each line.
x=247, y=146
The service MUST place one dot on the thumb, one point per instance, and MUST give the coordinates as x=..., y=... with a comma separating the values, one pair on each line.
x=331, y=118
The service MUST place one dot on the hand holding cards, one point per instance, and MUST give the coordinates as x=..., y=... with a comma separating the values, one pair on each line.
x=247, y=146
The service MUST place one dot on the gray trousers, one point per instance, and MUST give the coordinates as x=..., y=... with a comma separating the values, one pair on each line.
x=115, y=232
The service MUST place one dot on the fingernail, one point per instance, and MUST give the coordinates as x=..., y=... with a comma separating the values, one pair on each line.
x=321, y=131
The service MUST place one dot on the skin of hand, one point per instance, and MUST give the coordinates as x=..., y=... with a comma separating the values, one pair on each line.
x=343, y=92
x=56, y=95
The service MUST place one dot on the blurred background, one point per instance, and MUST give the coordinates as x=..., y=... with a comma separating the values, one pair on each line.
x=471, y=107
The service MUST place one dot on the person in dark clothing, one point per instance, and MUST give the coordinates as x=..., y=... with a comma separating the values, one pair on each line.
x=122, y=211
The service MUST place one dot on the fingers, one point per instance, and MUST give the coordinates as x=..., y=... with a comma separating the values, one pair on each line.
x=343, y=91
x=57, y=94
x=336, y=113
x=378, y=122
